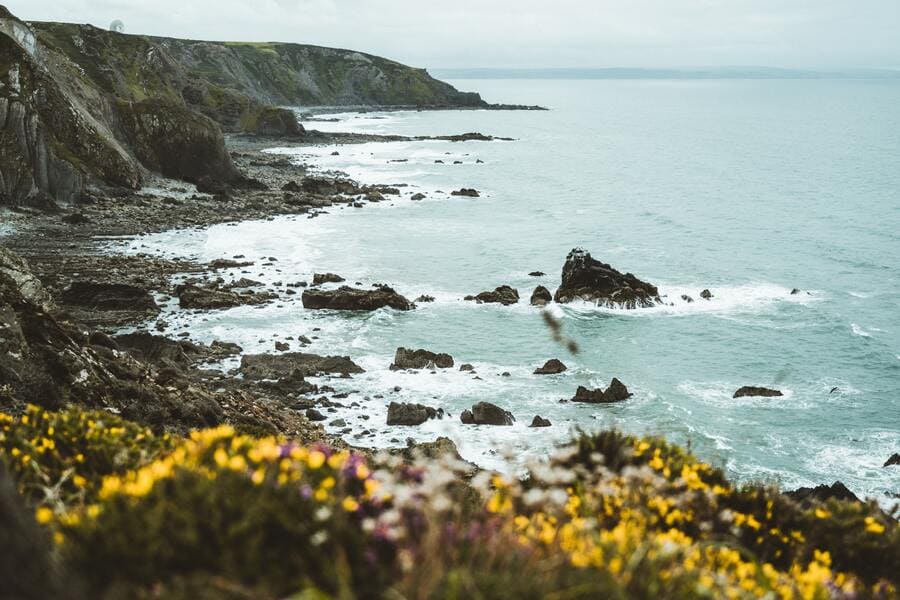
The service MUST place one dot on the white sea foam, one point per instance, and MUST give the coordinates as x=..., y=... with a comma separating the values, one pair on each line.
x=857, y=330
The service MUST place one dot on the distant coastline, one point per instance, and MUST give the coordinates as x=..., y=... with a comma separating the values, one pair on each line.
x=679, y=73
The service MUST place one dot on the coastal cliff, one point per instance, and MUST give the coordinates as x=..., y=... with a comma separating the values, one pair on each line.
x=81, y=107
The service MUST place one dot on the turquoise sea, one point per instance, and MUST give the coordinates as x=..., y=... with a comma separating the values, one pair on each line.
x=747, y=187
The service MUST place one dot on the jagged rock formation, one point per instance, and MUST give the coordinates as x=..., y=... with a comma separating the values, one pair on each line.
x=595, y=281
x=405, y=358
x=411, y=414
x=348, y=298
x=616, y=392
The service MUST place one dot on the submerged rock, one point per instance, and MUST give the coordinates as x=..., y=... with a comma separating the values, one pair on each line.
x=348, y=298
x=425, y=298
x=540, y=296
x=750, y=390
x=504, y=295
x=411, y=414
x=616, y=392
x=405, y=358
x=893, y=460
x=468, y=192
x=588, y=279
x=485, y=413
x=540, y=421
x=277, y=366
x=551, y=367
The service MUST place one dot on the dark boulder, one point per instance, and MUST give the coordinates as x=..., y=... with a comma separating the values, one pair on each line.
x=687, y=298
x=751, y=390
x=212, y=298
x=504, y=295
x=540, y=296
x=536, y=274
x=588, y=279
x=417, y=196
x=277, y=366
x=411, y=414
x=706, y=294
x=425, y=298
x=314, y=415
x=806, y=497
x=893, y=460
x=347, y=298
x=616, y=392
x=466, y=367
x=540, y=421
x=485, y=413
x=273, y=121
x=551, y=367
x=108, y=296
x=420, y=359
x=320, y=278
x=468, y=192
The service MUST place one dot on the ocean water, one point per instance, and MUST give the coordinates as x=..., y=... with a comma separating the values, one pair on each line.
x=748, y=188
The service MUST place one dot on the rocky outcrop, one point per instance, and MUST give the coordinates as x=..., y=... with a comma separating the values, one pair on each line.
x=752, y=390
x=504, y=295
x=272, y=121
x=170, y=138
x=540, y=296
x=551, y=367
x=165, y=351
x=411, y=414
x=320, y=278
x=616, y=392
x=348, y=298
x=894, y=460
x=108, y=296
x=278, y=366
x=539, y=421
x=420, y=359
x=807, y=497
x=467, y=192
x=485, y=413
x=212, y=298
x=591, y=280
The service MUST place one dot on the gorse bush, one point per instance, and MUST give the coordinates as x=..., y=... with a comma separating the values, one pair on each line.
x=221, y=514
x=60, y=458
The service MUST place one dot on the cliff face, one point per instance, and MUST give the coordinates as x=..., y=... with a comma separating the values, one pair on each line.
x=80, y=106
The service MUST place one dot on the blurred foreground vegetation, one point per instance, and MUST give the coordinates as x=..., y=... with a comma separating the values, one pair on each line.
x=92, y=506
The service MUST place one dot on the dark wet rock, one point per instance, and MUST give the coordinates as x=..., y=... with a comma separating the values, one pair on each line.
x=551, y=367
x=505, y=374
x=213, y=186
x=212, y=298
x=540, y=421
x=425, y=298
x=807, y=497
x=276, y=366
x=314, y=415
x=894, y=460
x=273, y=121
x=375, y=196
x=227, y=263
x=75, y=219
x=795, y=291
x=466, y=367
x=338, y=423
x=591, y=280
x=504, y=295
x=706, y=294
x=347, y=298
x=536, y=274
x=243, y=283
x=108, y=296
x=687, y=298
x=405, y=358
x=540, y=296
x=485, y=413
x=417, y=196
x=616, y=392
x=750, y=390
x=467, y=192
x=282, y=346
x=411, y=414
x=320, y=278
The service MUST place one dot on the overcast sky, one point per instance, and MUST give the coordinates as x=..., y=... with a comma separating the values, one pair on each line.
x=528, y=33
